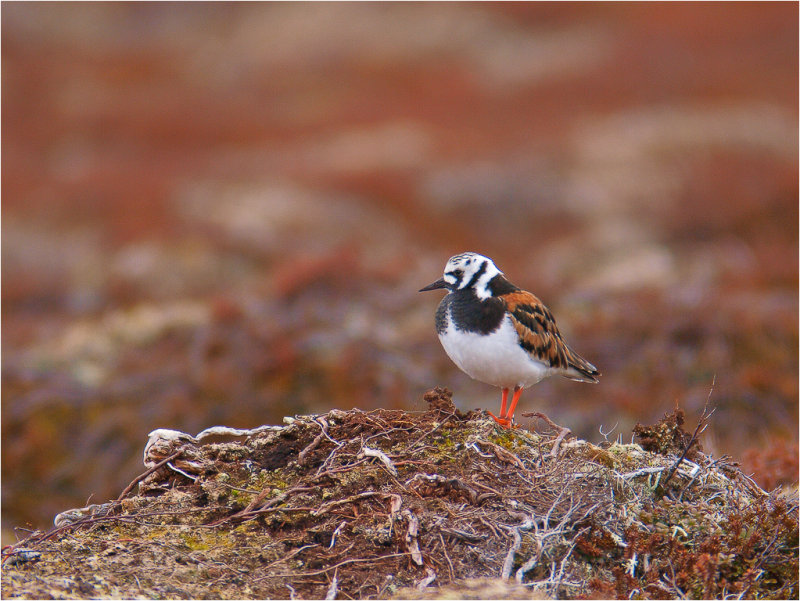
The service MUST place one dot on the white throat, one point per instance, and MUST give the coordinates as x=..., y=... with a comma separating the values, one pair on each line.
x=482, y=285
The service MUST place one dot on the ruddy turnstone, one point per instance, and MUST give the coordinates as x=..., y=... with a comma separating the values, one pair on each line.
x=499, y=334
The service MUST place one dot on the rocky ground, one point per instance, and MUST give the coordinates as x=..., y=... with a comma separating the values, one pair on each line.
x=221, y=214
x=388, y=503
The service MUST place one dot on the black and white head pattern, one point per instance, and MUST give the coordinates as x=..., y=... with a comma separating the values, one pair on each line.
x=470, y=270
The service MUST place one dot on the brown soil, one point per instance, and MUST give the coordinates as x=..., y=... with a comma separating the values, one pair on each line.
x=353, y=504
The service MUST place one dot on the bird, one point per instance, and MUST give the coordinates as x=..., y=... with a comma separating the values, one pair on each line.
x=500, y=334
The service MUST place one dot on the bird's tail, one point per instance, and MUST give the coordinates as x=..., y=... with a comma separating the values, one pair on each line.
x=579, y=369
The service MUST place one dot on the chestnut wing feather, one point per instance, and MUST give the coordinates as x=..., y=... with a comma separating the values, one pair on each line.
x=540, y=338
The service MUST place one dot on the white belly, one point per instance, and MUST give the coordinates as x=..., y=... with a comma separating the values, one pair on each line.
x=495, y=359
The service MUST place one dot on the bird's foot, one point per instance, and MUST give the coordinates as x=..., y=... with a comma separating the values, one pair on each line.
x=504, y=422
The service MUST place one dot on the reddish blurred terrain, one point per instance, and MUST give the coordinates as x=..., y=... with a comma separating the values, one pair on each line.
x=221, y=214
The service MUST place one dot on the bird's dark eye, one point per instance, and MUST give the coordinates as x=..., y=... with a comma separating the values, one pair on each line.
x=458, y=273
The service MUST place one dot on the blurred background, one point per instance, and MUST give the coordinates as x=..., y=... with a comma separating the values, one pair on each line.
x=222, y=213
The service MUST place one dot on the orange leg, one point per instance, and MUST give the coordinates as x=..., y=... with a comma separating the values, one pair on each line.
x=502, y=419
x=503, y=405
x=514, y=401
x=507, y=419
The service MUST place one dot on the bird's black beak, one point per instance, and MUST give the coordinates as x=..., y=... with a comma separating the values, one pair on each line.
x=440, y=283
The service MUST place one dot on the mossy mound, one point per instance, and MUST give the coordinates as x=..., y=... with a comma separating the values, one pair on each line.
x=354, y=504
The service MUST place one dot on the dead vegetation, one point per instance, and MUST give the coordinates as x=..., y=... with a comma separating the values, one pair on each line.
x=380, y=504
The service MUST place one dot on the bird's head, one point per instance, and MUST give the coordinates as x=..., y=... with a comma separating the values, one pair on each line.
x=467, y=270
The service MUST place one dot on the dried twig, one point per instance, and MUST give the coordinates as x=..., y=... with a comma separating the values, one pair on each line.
x=436, y=480
x=702, y=424
x=328, y=506
x=429, y=432
x=253, y=508
x=508, y=564
x=563, y=432
x=323, y=424
x=428, y=579
x=288, y=556
x=339, y=470
x=333, y=588
x=397, y=501
x=645, y=471
x=467, y=537
x=530, y=564
x=411, y=537
x=447, y=557
x=503, y=454
x=181, y=472
x=335, y=534
x=144, y=475
x=328, y=569
x=368, y=452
